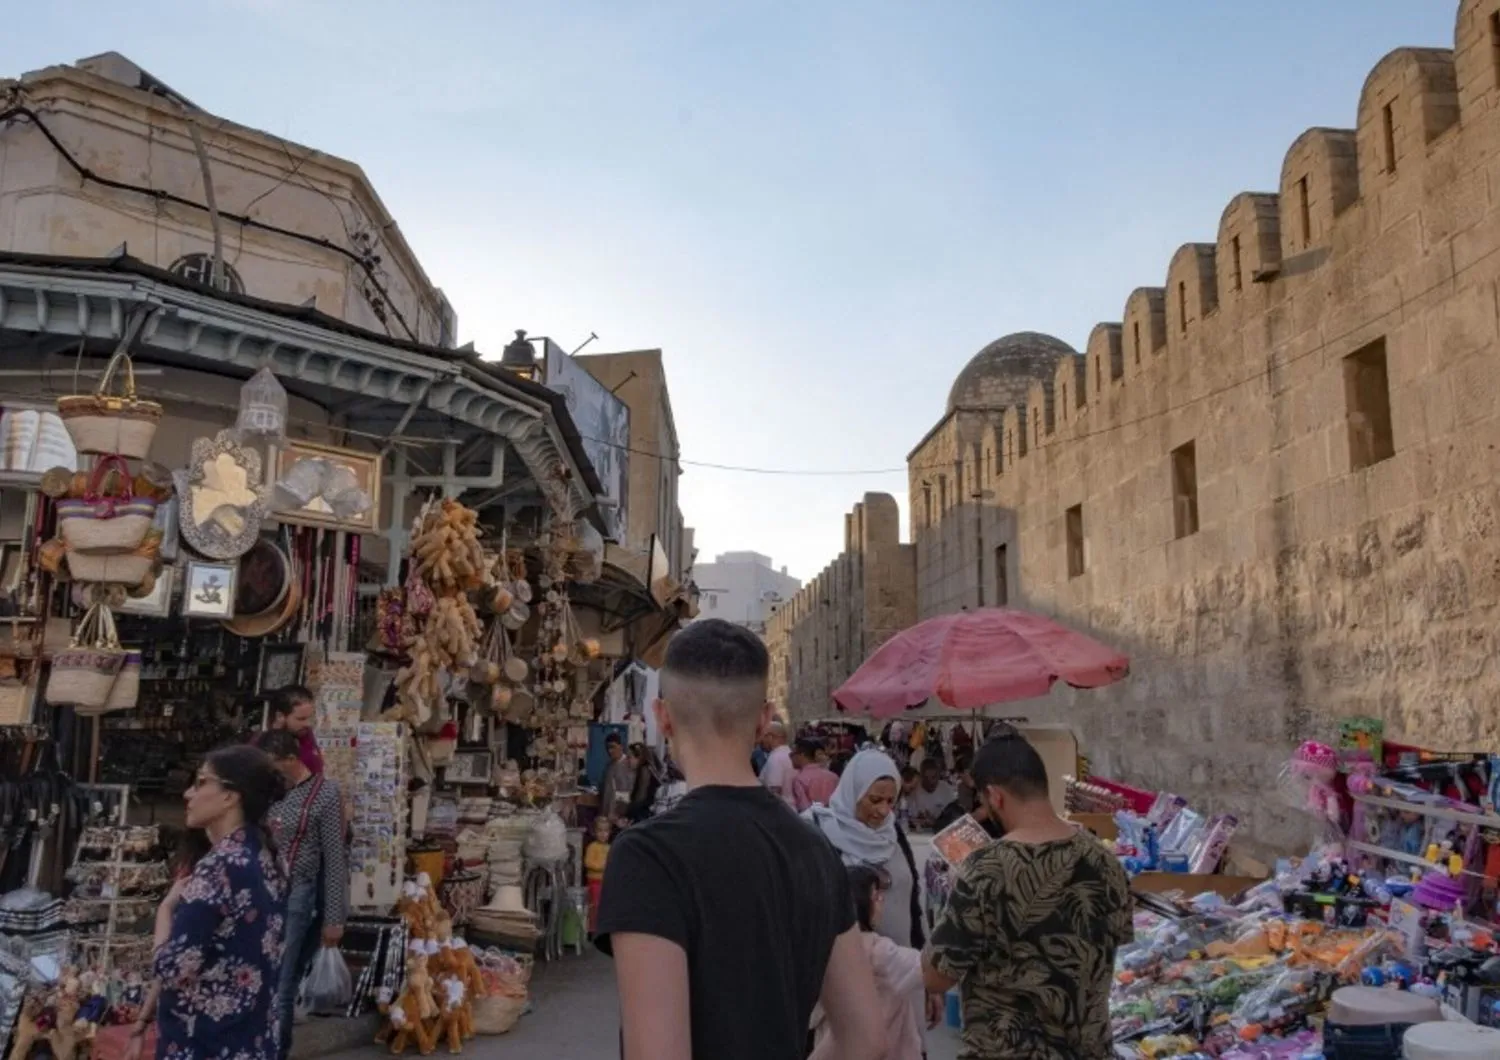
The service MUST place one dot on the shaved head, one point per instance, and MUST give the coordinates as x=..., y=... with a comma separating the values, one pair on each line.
x=714, y=679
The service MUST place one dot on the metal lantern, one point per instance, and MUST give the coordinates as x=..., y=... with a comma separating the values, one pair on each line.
x=263, y=408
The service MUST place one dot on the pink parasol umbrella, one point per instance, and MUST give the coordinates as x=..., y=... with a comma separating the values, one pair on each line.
x=975, y=658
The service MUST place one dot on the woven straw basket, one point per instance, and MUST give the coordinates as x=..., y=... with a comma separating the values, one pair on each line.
x=126, y=690
x=103, y=422
x=128, y=570
x=83, y=675
x=497, y=1014
x=96, y=523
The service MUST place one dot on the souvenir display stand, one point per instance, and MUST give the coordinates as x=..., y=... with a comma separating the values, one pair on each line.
x=157, y=611
x=146, y=614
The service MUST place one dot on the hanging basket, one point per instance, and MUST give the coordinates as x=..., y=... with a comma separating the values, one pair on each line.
x=104, y=422
x=128, y=570
x=126, y=690
x=105, y=525
x=84, y=674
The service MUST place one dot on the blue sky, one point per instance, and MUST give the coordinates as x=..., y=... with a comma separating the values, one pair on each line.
x=819, y=211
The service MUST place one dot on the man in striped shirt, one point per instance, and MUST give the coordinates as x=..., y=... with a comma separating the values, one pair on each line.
x=307, y=825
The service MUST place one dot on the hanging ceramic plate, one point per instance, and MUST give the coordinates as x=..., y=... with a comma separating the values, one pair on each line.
x=222, y=501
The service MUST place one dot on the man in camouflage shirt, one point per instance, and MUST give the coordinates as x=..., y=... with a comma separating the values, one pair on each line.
x=1030, y=930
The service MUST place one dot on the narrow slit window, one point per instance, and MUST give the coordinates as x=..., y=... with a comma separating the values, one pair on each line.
x=1304, y=210
x=1495, y=45
x=1135, y=332
x=1098, y=375
x=1182, y=306
x=1076, y=557
x=1239, y=275
x=1065, y=400
x=1002, y=583
x=1185, y=490
x=1388, y=136
x=1367, y=401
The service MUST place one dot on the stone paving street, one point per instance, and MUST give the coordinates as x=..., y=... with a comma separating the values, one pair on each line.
x=574, y=1018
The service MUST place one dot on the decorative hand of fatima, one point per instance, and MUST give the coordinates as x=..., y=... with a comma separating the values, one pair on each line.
x=225, y=485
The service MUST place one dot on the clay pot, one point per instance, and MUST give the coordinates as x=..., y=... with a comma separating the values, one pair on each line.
x=502, y=600
x=515, y=670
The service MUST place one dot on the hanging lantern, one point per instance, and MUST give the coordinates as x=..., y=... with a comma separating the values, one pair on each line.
x=262, y=408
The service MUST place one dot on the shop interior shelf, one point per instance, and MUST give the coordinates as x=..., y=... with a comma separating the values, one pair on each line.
x=1445, y=813
x=20, y=479
x=1397, y=855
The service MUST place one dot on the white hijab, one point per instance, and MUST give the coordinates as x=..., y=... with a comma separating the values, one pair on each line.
x=856, y=841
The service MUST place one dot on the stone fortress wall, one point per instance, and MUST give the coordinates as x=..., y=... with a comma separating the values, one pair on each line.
x=819, y=636
x=1273, y=483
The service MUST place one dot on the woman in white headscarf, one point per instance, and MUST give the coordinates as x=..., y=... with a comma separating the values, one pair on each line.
x=860, y=822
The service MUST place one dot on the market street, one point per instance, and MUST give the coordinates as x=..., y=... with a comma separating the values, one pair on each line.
x=574, y=1017
x=574, y=1013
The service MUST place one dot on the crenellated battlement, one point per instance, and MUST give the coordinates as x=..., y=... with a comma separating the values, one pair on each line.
x=867, y=594
x=1266, y=242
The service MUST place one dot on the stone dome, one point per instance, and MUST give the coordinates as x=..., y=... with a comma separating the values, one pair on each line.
x=1001, y=374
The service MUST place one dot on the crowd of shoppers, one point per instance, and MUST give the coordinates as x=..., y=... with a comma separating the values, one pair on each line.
x=766, y=910
x=742, y=930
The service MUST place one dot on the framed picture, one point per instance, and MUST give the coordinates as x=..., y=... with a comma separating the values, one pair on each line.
x=208, y=590
x=280, y=666
x=158, y=602
x=324, y=472
x=468, y=767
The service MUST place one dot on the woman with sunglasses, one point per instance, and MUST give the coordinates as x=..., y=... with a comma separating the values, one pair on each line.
x=219, y=931
x=898, y=975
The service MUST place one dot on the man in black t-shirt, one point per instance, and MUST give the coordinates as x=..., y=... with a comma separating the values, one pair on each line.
x=728, y=916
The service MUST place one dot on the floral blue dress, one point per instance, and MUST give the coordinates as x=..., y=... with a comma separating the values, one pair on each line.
x=219, y=967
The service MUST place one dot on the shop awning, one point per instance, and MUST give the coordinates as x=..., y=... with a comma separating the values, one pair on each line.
x=54, y=303
x=635, y=612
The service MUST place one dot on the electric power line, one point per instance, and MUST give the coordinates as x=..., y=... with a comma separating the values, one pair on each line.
x=1271, y=365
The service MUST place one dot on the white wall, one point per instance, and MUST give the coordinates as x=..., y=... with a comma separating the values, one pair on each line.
x=735, y=585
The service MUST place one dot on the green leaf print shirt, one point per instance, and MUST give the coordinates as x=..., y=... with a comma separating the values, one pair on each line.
x=1030, y=931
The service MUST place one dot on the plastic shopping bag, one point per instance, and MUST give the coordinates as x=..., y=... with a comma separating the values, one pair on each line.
x=328, y=987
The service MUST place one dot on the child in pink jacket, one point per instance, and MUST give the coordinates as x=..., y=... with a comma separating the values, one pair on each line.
x=898, y=978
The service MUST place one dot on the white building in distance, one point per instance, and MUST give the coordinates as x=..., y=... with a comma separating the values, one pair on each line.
x=742, y=587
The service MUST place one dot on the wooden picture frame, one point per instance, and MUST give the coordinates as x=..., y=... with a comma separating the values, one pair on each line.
x=208, y=590
x=158, y=602
x=469, y=767
x=366, y=468
x=280, y=666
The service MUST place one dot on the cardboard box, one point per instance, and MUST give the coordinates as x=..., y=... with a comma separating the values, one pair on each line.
x=1193, y=884
x=1101, y=824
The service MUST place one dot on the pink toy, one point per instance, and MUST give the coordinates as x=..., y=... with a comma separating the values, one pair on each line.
x=1306, y=783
